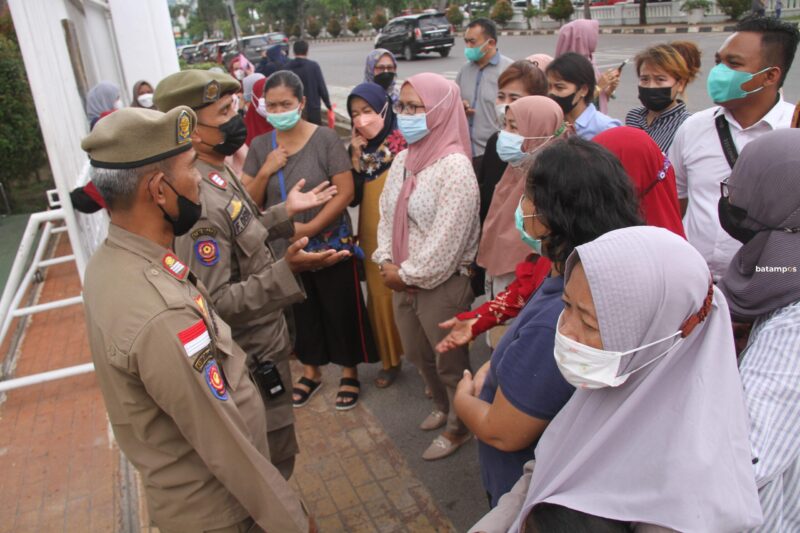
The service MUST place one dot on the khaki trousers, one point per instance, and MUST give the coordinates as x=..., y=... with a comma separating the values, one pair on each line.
x=417, y=316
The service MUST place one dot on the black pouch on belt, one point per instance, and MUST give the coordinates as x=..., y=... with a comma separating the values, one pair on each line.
x=269, y=380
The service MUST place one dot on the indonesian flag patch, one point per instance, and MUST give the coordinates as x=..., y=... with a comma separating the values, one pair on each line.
x=218, y=180
x=174, y=266
x=195, y=338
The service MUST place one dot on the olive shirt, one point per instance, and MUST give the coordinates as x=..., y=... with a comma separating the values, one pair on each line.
x=322, y=157
x=179, y=398
x=227, y=249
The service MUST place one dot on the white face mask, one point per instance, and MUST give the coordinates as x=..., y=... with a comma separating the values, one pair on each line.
x=145, y=100
x=239, y=74
x=500, y=109
x=117, y=104
x=585, y=367
x=262, y=107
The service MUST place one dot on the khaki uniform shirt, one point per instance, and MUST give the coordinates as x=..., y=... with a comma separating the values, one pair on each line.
x=227, y=249
x=179, y=398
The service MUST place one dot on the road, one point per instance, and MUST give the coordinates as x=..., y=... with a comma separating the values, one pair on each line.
x=343, y=63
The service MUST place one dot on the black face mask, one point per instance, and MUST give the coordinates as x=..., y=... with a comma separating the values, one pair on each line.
x=655, y=98
x=235, y=132
x=385, y=79
x=731, y=218
x=566, y=103
x=188, y=213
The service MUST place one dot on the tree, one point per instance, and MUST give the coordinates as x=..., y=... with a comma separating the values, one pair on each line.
x=561, y=10
x=502, y=12
x=734, y=8
x=334, y=27
x=212, y=13
x=354, y=25
x=454, y=16
x=313, y=27
x=531, y=12
x=587, y=11
x=378, y=20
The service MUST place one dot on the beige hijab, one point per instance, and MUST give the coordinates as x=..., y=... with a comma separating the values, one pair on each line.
x=501, y=247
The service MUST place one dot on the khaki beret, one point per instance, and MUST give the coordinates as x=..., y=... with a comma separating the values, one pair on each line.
x=195, y=88
x=134, y=137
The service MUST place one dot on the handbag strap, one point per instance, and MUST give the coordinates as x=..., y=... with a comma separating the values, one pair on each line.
x=281, y=180
x=726, y=139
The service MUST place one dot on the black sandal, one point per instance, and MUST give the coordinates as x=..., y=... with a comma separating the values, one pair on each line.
x=305, y=395
x=342, y=395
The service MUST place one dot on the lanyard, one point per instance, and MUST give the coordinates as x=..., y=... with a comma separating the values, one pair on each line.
x=281, y=180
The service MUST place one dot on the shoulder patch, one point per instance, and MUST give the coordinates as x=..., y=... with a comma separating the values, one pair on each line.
x=207, y=252
x=240, y=215
x=203, y=232
x=195, y=338
x=214, y=380
x=174, y=266
x=218, y=180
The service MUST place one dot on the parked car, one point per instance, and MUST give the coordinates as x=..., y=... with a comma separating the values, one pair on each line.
x=207, y=50
x=277, y=37
x=187, y=52
x=254, y=46
x=417, y=34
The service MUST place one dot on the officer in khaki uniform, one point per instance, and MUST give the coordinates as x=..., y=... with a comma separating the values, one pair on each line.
x=227, y=248
x=181, y=403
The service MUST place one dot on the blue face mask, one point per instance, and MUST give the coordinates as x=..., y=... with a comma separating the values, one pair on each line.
x=725, y=84
x=509, y=147
x=284, y=121
x=535, y=244
x=474, y=53
x=413, y=127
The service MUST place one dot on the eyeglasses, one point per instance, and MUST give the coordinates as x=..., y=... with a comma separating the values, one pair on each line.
x=523, y=213
x=724, y=191
x=408, y=109
x=385, y=68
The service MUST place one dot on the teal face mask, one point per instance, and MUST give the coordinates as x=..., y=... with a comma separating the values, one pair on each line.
x=284, y=121
x=474, y=53
x=725, y=84
x=535, y=244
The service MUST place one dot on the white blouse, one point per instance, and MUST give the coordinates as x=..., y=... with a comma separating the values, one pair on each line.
x=443, y=220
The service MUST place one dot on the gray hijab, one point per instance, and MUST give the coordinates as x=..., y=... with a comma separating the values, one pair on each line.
x=670, y=446
x=100, y=99
x=766, y=183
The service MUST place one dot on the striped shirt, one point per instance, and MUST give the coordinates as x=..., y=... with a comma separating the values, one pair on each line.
x=770, y=370
x=663, y=128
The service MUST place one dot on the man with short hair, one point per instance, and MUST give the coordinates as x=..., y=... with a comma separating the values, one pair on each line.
x=227, y=248
x=180, y=401
x=314, y=87
x=751, y=68
x=477, y=80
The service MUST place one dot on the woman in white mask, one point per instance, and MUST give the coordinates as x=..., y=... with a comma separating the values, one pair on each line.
x=656, y=434
x=142, y=94
x=575, y=191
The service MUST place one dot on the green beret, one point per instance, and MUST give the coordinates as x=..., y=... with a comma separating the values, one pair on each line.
x=195, y=88
x=134, y=137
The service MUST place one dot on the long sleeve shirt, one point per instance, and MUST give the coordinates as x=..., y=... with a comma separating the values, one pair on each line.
x=314, y=88
x=443, y=220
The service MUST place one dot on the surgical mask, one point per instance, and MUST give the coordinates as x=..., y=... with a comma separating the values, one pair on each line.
x=566, y=103
x=415, y=127
x=286, y=120
x=385, y=79
x=725, y=84
x=519, y=221
x=188, y=213
x=117, y=104
x=509, y=147
x=239, y=74
x=655, y=98
x=475, y=53
x=234, y=133
x=500, y=111
x=145, y=100
x=261, y=109
x=370, y=125
x=585, y=367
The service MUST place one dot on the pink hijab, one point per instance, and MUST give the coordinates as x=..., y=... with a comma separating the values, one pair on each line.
x=540, y=60
x=448, y=134
x=580, y=36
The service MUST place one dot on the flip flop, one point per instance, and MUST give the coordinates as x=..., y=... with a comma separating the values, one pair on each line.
x=386, y=377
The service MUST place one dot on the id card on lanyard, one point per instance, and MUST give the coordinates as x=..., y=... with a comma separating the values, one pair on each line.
x=281, y=179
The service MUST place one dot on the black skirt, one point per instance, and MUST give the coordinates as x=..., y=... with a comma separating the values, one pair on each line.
x=332, y=325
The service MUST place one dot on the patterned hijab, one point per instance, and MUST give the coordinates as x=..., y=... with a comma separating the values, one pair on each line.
x=379, y=152
x=670, y=446
x=765, y=182
x=369, y=71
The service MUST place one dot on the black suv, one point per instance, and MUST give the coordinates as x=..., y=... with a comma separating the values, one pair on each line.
x=417, y=34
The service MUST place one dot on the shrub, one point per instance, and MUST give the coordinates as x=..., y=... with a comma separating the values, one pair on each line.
x=734, y=8
x=294, y=31
x=313, y=27
x=502, y=12
x=21, y=145
x=705, y=5
x=560, y=10
x=379, y=20
x=455, y=16
x=334, y=27
x=354, y=25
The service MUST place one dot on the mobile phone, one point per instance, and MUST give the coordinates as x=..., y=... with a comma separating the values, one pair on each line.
x=619, y=68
